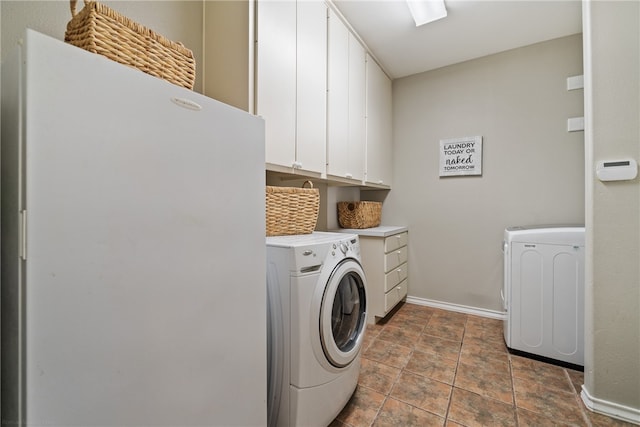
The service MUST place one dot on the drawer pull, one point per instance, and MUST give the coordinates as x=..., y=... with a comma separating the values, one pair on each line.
x=399, y=252
x=399, y=270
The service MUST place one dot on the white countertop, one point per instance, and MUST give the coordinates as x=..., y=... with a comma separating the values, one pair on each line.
x=380, y=231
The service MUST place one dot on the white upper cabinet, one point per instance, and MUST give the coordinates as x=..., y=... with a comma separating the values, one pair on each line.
x=327, y=107
x=357, y=107
x=346, y=103
x=379, y=130
x=311, y=129
x=276, y=79
x=338, y=98
x=291, y=82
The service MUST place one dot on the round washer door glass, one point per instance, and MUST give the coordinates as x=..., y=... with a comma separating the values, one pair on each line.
x=343, y=313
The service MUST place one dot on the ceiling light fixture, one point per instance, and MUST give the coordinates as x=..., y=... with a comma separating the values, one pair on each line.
x=425, y=11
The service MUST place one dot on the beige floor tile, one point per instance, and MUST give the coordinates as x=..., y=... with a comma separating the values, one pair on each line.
x=485, y=321
x=531, y=419
x=454, y=319
x=416, y=310
x=432, y=366
x=407, y=321
x=482, y=356
x=545, y=374
x=362, y=408
x=471, y=410
x=479, y=348
x=388, y=353
x=449, y=349
x=369, y=338
x=444, y=330
x=549, y=401
x=337, y=423
x=451, y=317
x=403, y=336
x=399, y=414
x=374, y=329
x=488, y=380
x=485, y=332
x=422, y=392
x=377, y=376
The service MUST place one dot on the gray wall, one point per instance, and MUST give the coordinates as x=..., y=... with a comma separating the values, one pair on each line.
x=612, y=102
x=177, y=20
x=533, y=169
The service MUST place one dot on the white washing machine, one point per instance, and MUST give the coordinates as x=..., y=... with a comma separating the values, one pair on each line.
x=316, y=322
x=543, y=292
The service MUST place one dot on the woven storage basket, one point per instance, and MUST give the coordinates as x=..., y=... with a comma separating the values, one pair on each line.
x=292, y=210
x=359, y=214
x=101, y=30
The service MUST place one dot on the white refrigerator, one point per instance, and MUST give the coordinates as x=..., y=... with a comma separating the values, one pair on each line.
x=133, y=255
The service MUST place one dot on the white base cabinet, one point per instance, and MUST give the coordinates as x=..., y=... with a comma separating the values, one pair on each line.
x=385, y=255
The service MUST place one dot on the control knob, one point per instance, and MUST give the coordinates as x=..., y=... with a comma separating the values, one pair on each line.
x=344, y=248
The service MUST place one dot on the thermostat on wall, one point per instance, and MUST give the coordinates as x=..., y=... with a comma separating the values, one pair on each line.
x=617, y=170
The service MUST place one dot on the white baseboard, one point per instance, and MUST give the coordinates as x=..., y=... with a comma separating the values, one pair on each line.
x=610, y=409
x=482, y=312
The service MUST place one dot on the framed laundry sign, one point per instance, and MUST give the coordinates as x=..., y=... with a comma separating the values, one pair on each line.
x=461, y=156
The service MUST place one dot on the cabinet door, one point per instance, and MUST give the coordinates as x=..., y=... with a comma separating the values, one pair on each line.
x=346, y=105
x=276, y=78
x=357, y=108
x=311, y=129
x=338, y=97
x=379, y=151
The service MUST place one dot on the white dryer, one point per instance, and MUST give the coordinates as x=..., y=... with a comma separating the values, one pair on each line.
x=316, y=322
x=543, y=292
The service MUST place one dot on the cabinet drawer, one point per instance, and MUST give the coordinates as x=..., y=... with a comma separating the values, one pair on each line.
x=395, y=258
x=394, y=296
x=395, y=276
x=396, y=241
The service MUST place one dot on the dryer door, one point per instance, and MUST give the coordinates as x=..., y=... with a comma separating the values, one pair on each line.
x=343, y=313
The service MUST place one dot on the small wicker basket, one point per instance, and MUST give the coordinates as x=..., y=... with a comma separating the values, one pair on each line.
x=101, y=30
x=359, y=214
x=292, y=210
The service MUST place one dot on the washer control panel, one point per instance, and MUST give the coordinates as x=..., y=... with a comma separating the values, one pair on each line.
x=347, y=248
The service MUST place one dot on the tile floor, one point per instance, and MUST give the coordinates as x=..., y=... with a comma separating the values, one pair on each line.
x=429, y=367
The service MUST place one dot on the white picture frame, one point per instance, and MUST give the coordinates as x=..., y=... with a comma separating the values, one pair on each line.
x=461, y=156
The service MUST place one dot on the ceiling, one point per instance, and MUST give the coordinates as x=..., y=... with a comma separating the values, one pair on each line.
x=472, y=29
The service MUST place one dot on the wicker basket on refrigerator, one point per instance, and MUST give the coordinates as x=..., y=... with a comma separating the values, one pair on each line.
x=100, y=29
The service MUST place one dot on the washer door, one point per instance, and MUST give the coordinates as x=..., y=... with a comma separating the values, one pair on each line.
x=343, y=314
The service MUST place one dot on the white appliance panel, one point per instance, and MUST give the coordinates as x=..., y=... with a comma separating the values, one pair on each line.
x=567, y=296
x=544, y=291
x=531, y=275
x=138, y=252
